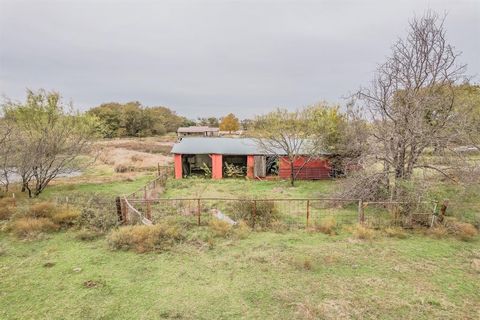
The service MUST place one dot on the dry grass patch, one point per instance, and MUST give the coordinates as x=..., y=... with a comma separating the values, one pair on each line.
x=241, y=230
x=462, y=230
x=159, y=237
x=437, y=232
x=88, y=235
x=327, y=226
x=30, y=227
x=65, y=217
x=44, y=209
x=362, y=232
x=7, y=208
x=220, y=228
x=395, y=232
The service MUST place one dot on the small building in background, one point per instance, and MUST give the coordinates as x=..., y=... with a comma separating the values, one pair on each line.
x=199, y=131
x=221, y=157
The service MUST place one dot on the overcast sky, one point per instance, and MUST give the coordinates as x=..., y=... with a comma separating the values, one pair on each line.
x=204, y=58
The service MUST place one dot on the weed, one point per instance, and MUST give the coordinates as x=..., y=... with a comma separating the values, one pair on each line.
x=437, y=232
x=241, y=230
x=43, y=209
x=160, y=237
x=327, y=225
x=462, y=230
x=278, y=226
x=220, y=228
x=87, y=235
x=362, y=232
x=28, y=227
x=65, y=217
x=303, y=263
x=396, y=232
x=259, y=213
x=6, y=212
x=97, y=219
x=121, y=168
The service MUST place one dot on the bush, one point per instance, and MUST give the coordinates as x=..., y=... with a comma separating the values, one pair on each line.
x=159, y=237
x=121, y=168
x=65, y=217
x=28, y=227
x=437, y=232
x=265, y=212
x=327, y=225
x=6, y=211
x=395, y=232
x=220, y=228
x=42, y=209
x=464, y=231
x=97, y=219
x=362, y=232
x=241, y=230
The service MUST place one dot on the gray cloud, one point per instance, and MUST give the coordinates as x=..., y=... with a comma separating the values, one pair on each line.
x=210, y=57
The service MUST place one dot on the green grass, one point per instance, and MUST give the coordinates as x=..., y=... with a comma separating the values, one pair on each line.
x=268, y=275
x=108, y=189
x=234, y=188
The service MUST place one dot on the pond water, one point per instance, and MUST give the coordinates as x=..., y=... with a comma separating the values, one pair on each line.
x=14, y=177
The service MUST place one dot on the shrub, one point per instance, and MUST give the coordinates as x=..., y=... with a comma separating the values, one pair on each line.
x=278, y=226
x=265, y=212
x=6, y=211
x=97, y=219
x=362, y=232
x=437, y=232
x=121, y=168
x=159, y=237
x=327, y=225
x=220, y=228
x=65, y=217
x=462, y=230
x=241, y=230
x=395, y=232
x=27, y=227
x=42, y=209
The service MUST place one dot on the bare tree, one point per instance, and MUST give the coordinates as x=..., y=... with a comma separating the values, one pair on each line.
x=411, y=100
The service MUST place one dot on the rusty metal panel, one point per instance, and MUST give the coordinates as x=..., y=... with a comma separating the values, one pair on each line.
x=260, y=166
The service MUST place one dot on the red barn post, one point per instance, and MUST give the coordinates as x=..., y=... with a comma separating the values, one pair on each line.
x=178, y=166
x=250, y=165
x=217, y=172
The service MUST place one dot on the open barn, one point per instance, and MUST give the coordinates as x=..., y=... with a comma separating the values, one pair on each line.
x=215, y=155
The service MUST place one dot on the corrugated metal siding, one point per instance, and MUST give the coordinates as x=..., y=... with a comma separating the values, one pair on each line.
x=313, y=170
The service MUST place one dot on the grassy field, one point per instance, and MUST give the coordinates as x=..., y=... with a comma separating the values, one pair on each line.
x=234, y=188
x=294, y=275
x=289, y=275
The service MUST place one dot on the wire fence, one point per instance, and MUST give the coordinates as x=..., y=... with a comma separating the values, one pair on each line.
x=292, y=213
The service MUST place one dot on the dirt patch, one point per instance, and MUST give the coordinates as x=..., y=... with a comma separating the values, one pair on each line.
x=91, y=284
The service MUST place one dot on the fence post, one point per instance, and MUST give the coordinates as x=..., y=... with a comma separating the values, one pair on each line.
x=145, y=193
x=158, y=169
x=361, y=212
x=254, y=213
x=14, y=201
x=199, y=212
x=125, y=210
x=308, y=212
x=118, y=204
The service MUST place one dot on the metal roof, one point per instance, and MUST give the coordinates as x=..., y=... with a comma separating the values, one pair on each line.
x=195, y=129
x=214, y=145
